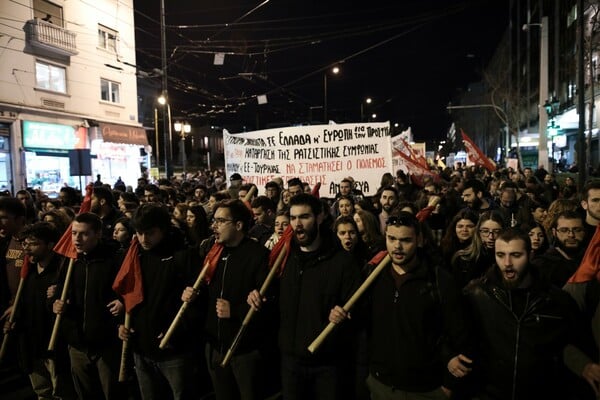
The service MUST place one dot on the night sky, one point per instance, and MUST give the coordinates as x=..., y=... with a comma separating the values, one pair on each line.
x=410, y=56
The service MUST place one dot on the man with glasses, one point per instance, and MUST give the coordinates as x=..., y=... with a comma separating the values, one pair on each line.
x=557, y=264
x=241, y=267
x=418, y=337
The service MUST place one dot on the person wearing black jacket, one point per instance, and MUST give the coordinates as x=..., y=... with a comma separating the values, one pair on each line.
x=418, y=332
x=523, y=324
x=166, y=269
x=89, y=322
x=48, y=371
x=241, y=267
x=318, y=275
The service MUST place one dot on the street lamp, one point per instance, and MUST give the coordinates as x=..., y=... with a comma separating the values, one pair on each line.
x=162, y=100
x=368, y=100
x=335, y=70
x=183, y=130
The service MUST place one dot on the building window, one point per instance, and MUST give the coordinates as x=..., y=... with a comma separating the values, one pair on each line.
x=110, y=91
x=48, y=12
x=50, y=77
x=107, y=39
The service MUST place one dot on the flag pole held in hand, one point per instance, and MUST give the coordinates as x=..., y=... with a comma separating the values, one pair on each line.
x=124, y=351
x=263, y=290
x=63, y=298
x=350, y=303
x=11, y=317
x=167, y=337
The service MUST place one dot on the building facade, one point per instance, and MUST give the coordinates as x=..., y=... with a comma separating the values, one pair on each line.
x=68, y=95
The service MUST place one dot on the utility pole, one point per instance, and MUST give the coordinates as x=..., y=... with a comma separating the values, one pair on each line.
x=167, y=109
x=542, y=116
x=581, y=162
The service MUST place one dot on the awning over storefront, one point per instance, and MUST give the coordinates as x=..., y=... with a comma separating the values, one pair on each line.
x=123, y=134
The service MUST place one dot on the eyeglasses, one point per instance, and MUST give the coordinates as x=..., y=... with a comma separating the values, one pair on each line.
x=401, y=221
x=574, y=231
x=221, y=221
x=487, y=232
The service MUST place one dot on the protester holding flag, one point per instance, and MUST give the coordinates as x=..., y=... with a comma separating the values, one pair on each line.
x=317, y=276
x=89, y=313
x=48, y=371
x=237, y=264
x=154, y=273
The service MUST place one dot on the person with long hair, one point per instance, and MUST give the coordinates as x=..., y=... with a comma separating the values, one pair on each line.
x=197, y=224
x=474, y=260
x=179, y=216
x=459, y=233
x=537, y=237
x=282, y=220
x=345, y=206
x=368, y=228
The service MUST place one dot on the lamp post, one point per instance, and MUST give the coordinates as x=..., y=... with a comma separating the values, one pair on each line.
x=167, y=133
x=335, y=70
x=183, y=130
x=368, y=100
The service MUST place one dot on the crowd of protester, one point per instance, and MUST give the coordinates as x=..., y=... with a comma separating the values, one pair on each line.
x=478, y=300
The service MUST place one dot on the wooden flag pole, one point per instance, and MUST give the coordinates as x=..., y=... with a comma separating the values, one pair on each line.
x=167, y=337
x=11, y=318
x=124, y=351
x=63, y=298
x=350, y=303
x=251, y=311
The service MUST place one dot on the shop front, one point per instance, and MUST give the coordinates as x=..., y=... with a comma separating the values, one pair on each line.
x=46, y=154
x=120, y=151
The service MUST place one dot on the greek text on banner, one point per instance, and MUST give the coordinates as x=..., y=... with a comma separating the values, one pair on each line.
x=315, y=153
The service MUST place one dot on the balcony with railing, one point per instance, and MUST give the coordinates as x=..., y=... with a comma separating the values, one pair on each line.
x=50, y=37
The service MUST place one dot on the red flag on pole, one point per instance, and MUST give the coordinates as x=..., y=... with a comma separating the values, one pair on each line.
x=212, y=258
x=475, y=154
x=414, y=156
x=65, y=246
x=25, y=267
x=590, y=264
x=128, y=282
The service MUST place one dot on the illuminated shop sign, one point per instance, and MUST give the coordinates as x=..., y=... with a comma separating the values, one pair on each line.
x=41, y=135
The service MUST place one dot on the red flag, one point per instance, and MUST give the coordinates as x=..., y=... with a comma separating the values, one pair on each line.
x=475, y=154
x=315, y=190
x=377, y=258
x=128, y=282
x=284, y=240
x=414, y=156
x=415, y=170
x=65, y=246
x=212, y=258
x=590, y=264
x=25, y=267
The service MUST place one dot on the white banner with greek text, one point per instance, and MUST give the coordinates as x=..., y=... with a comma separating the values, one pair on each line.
x=315, y=153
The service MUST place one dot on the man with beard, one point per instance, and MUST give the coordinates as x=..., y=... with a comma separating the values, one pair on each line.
x=33, y=322
x=590, y=202
x=473, y=197
x=523, y=323
x=103, y=206
x=317, y=276
x=417, y=330
x=388, y=200
x=557, y=264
